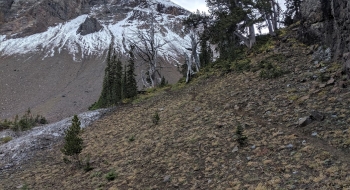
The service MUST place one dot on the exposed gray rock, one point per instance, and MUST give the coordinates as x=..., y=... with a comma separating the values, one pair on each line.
x=304, y=121
x=167, y=178
x=315, y=115
x=91, y=25
x=326, y=23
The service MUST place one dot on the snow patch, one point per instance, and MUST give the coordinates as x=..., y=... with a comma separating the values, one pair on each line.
x=24, y=145
x=64, y=37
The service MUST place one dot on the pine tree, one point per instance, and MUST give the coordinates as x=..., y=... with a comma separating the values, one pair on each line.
x=118, y=88
x=124, y=89
x=130, y=83
x=104, y=97
x=73, y=144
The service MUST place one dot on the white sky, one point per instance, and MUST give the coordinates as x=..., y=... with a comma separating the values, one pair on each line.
x=192, y=5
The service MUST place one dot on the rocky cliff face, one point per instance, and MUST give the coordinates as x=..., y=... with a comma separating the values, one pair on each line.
x=327, y=22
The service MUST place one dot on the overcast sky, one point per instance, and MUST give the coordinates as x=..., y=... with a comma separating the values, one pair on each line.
x=192, y=5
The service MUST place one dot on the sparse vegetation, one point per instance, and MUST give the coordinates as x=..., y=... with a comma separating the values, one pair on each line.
x=188, y=146
x=26, y=122
x=269, y=68
x=5, y=139
x=155, y=118
x=132, y=138
x=87, y=166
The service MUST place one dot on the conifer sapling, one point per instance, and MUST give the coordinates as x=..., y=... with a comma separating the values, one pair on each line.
x=73, y=144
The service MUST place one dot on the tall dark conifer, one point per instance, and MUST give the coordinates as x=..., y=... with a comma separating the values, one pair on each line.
x=112, y=83
x=130, y=84
x=104, y=97
x=118, y=81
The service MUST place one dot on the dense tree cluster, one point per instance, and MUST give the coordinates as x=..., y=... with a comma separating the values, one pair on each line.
x=117, y=83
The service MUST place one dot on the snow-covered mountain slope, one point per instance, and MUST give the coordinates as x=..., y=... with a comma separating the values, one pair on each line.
x=52, y=52
x=65, y=36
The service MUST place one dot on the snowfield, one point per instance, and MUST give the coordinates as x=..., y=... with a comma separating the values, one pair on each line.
x=64, y=36
x=24, y=145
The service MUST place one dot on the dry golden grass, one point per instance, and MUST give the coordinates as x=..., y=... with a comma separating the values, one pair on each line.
x=192, y=146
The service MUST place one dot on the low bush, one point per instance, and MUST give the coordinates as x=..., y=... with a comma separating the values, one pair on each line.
x=110, y=176
x=5, y=139
x=241, y=138
x=26, y=122
x=155, y=118
x=268, y=67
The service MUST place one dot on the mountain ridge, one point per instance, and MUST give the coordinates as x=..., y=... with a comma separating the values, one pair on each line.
x=35, y=56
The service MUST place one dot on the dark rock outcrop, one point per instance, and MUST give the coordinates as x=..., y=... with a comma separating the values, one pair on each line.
x=327, y=22
x=91, y=25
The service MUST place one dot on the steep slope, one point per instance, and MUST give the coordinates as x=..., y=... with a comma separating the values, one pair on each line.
x=52, y=53
x=194, y=145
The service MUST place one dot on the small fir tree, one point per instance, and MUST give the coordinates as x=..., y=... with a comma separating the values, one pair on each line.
x=163, y=82
x=73, y=144
x=241, y=138
x=155, y=118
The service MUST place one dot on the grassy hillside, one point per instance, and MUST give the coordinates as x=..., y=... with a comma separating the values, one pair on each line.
x=194, y=145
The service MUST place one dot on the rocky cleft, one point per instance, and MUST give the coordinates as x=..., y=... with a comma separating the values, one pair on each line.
x=327, y=22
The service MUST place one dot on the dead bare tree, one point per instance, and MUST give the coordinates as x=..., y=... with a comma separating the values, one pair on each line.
x=194, y=47
x=147, y=47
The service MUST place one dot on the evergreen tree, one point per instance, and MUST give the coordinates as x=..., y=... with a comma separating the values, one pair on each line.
x=73, y=144
x=205, y=55
x=130, y=82
x=104, y=97
x=112, y=83
x=118, y=88
x=124, y=89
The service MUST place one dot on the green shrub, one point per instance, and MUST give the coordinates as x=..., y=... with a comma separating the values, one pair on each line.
x=241, y=65
x=6, y=139
x=110, y=176
x=26, y=122
x=155, y=118
x=6, y=124
x=268, y=69
x=132, y=138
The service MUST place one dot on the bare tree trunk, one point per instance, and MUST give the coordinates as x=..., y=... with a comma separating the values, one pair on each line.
x=270, y=25
x=194, y=54
x=250, y=40
x=144, y=80
x=275, y=8
x=189, y=68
